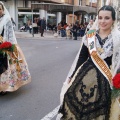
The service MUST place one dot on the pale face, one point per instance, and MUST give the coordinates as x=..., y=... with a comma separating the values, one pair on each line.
x=105, y=20
x=1, y=10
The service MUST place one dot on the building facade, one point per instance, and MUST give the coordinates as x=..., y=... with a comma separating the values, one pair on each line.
x=82, y=10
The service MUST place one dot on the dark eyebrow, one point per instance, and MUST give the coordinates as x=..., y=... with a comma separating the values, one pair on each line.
x=105, y=16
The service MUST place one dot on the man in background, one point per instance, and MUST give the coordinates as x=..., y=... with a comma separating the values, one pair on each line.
x=43, y=26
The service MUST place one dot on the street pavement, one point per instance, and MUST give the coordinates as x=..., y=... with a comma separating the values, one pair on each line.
x=49, y=61
x=47, y=34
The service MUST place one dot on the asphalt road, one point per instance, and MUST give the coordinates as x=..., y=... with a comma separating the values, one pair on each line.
x=49, y=61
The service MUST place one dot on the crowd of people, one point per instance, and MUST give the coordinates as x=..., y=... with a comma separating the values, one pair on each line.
x=62, y=29
x=38, y=25
x=66, y=30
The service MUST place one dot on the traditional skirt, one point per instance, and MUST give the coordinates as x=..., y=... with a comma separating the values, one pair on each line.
x=89, y=96
x=17, y=73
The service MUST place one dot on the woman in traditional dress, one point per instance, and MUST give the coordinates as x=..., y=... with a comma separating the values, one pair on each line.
x=87, y=94
x=14, y=71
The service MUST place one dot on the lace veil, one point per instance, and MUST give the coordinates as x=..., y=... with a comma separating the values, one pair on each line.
x=116, y=37
x=116, y=41
x=3, y=21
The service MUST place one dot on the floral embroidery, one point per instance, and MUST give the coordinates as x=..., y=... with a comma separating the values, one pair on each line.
x=12, y=83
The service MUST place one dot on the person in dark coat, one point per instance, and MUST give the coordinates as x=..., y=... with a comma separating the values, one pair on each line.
x=39, y=25
x=43, y=26
x=75, y=29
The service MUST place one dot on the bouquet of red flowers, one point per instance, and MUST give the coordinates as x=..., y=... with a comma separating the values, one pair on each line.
x=6, y=46
x=116, y=86
x=5, y=50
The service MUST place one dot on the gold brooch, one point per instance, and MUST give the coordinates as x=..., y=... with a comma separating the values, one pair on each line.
x=100, y=50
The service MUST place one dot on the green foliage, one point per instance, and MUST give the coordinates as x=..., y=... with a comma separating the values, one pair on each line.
x=90, y=31
x=115, y=93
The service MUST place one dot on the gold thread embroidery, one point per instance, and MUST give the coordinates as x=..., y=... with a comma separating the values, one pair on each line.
x=100, y=50
x=102, y=65
x=99, y=61
x=16, y=60
x=90, y=35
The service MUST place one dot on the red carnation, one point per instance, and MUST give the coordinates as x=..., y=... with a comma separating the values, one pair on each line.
x=5, y=45
x=116, y=81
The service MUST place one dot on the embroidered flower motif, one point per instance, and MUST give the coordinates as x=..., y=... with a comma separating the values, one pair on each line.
x=12, y=83
x=24, y=75
x=91, y=45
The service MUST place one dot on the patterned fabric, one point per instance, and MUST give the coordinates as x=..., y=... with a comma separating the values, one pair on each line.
x=116, y=52
x=106, y=44
x=11, y=80
x=89, y=96
x=8, y=33
x=17, y=73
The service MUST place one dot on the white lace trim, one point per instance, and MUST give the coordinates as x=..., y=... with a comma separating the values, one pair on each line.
x=9, y=34
x=107, y=47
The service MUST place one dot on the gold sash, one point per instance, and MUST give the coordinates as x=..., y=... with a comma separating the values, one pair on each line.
x=101, y=65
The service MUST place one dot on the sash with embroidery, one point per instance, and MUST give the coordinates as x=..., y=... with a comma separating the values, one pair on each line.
x=101, y=65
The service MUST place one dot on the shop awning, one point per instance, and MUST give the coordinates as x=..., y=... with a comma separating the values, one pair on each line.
x=65, y=8
x=85, y=9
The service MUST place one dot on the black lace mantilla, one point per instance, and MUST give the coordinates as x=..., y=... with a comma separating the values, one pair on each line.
x=87, y=100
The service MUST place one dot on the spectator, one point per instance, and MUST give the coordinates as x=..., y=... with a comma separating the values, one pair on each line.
x=43, y=26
